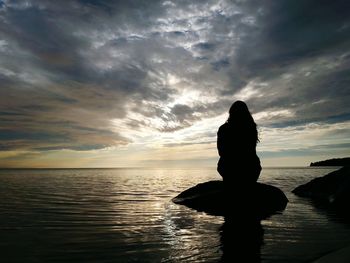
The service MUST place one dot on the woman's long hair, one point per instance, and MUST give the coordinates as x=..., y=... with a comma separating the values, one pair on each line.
x=240, y=116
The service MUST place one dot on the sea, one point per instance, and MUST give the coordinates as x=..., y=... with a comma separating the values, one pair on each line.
x=126, y=215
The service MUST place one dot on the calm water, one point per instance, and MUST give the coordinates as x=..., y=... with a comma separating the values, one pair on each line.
x=125, y=215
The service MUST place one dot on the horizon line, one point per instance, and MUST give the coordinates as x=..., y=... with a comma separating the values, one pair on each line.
x=140, y=167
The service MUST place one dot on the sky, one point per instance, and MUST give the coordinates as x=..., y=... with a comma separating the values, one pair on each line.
x=148, y=83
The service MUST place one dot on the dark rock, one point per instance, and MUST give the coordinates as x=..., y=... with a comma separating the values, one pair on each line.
x=333, y=162
x=332, y=189
x=259, y=201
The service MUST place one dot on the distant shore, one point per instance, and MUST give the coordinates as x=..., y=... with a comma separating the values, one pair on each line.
x=333, y=162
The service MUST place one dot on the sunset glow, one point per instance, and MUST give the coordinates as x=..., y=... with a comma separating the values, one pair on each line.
x=91, y=84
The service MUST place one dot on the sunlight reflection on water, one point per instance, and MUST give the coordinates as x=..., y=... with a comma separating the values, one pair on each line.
x=125, y=215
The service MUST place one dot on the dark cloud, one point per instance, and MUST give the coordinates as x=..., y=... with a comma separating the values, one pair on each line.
x=69, y=70
x=182, y=112
x=289, y=31
x=289, y=36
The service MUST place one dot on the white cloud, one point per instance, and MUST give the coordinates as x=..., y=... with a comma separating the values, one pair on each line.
x=302, y=137
x=162, y=73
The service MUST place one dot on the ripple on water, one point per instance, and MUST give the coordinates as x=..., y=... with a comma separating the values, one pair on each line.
x=125, y=215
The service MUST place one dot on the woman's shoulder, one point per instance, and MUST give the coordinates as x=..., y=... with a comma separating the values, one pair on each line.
x=224, y=127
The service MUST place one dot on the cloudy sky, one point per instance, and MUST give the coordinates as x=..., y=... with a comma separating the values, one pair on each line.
x=147, y=83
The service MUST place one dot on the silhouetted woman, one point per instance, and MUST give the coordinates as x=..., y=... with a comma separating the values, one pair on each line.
x=236, y=142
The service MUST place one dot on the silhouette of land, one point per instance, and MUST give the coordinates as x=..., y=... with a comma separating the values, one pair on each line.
x=333, y=162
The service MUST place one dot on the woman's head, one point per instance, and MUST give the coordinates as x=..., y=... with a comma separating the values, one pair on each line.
x=241, y=118
x=239, y=112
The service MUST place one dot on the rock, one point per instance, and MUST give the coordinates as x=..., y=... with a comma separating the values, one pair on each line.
x=259, y=201
x=339, y=256
x=332, y=189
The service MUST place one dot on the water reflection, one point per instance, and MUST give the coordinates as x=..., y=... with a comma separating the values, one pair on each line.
x=241, y=238
x=125, y=215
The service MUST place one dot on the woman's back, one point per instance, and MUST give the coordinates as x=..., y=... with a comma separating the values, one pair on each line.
x=236, y=142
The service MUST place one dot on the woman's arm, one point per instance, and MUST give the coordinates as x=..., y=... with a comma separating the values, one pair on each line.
x=220, y=143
